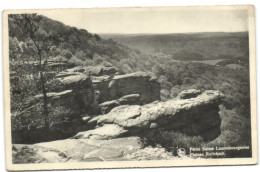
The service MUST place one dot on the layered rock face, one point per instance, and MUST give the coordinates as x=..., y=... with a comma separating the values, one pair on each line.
x=110, y=113
x=114, y=87
x=99, y=89
x=194, y=116
x=117, y=134
x=86, y=91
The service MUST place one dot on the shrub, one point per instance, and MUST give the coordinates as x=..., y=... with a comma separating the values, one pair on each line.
x=126, y=69
x=172, y=140
x=88, y=62
x=76, y=61
x=97, y=59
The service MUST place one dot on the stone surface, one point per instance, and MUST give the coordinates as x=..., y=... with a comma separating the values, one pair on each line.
x=117, y=86
x=196, y=116
x=107, y=131
x=187, y=94
x=131, y=99
x=84, y=150
x=92, y=70
x=75, y=149
x=36, y=154
x=73, y=82
x=81, y=97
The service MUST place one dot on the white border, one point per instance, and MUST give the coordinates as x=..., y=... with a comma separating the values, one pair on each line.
x=109, y=3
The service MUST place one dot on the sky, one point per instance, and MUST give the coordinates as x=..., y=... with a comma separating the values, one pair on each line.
x=153, y=20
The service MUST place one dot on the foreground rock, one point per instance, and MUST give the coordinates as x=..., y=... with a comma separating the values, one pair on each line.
x=117, y=134
x=194, y=116
x=36, y=154
x=81, y=150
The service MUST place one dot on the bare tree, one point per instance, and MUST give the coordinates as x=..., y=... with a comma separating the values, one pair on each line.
x=38, y=46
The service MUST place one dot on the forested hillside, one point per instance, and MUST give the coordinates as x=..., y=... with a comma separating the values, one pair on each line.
x=190, y=46
x=78, y=47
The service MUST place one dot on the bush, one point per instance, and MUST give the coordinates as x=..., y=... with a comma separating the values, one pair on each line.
x=172, y=140
x=126, y=69
x=76, y=61
x=88, y=62
x=97, y=59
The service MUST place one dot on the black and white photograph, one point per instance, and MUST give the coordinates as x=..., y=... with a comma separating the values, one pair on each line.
x=129, y=87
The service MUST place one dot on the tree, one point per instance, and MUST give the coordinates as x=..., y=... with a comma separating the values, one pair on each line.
x=38, y=46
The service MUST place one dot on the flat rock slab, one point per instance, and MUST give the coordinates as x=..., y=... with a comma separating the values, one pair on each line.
x=194, y=116
x=143, y=116
x=85, y=150
x=36, y=154
x=107, y=131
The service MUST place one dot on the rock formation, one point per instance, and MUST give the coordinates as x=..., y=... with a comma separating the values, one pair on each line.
x=114, y=87
x=88, y=91
x=110, y=113
x=81, y=150
x=194, y=116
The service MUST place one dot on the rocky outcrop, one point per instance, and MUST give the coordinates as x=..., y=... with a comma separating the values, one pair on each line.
x=194, y=116
x=187, y=94
x=132, y=99
x=102, y=89
x=114, y=87
x=81, y=92
x=117, y=134
x=90, y=70
x=22, y=154
x=83, y=150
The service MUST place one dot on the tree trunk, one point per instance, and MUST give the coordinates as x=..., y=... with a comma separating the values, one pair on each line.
x=45, y=98
x=45, y=105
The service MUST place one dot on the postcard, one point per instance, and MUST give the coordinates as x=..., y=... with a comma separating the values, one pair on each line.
x=129, y=87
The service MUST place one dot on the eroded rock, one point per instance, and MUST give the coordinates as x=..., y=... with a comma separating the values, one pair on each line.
x=84, y=150
x=187, y=94
x=196, y=116
x=115, y=87
x=132, y=99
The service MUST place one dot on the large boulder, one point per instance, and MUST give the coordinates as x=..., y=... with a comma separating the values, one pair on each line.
x=195, y=116
x=82, y=96
x=117, y=86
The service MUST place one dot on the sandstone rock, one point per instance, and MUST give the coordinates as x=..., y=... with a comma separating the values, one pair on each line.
x=57, y=98
x=82, y=150
x=105, y=154
x=92, y=70
x=22, y=154
x=82, y=95
x=101, y=70
x=196, y=116
x=75, y=149
x=115, y=87
x=129, y=99
x=125, y=100
x=107, y=131
x=187, y=94
x=74, y=82
x=107, y=106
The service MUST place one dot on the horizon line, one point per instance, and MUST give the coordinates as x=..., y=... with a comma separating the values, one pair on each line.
x=107, y=33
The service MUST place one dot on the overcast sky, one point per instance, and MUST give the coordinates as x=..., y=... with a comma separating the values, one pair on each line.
x=152, y=20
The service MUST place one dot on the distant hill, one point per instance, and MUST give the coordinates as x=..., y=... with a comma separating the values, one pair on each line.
x=68, y=40
x=191, y=46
